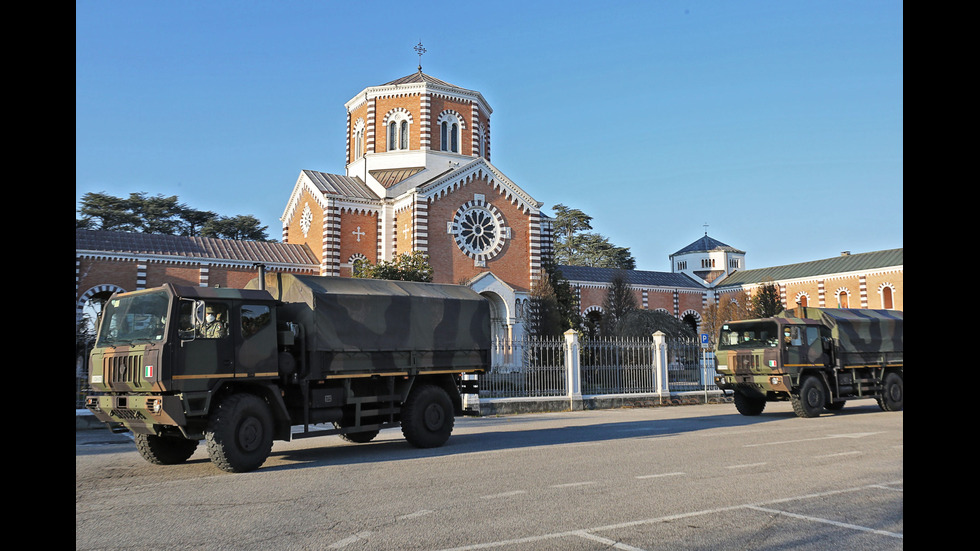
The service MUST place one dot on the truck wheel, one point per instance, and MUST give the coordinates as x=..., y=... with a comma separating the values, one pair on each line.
x=362, y=437
x=812, y=398
x=164, y=450
x=427, y=417
x=892, y=393
x=747, y=405
x=239, y=433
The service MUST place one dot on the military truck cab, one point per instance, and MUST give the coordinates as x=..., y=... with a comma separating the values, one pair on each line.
x=161, y=355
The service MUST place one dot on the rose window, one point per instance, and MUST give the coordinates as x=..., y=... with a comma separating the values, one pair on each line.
x=306, y=220
x=479, y=230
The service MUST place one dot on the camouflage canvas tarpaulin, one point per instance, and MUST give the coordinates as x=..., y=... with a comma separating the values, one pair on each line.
x=858, y=331
x=349, y=318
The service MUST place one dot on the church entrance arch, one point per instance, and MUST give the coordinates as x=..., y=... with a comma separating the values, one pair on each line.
x=499, y=328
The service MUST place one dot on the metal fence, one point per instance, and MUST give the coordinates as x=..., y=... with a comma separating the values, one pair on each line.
x=618, y=366
x=536, y=367
x=526, y=369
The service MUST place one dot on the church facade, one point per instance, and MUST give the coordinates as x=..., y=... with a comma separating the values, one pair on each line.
x=419, y=178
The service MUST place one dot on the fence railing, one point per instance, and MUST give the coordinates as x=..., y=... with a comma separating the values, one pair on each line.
x=570, y=366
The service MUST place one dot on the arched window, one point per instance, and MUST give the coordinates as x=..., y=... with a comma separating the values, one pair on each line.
x=398, y=121
x=358, y=143
x=392, y=133
x=450, y=125
x=886, y=298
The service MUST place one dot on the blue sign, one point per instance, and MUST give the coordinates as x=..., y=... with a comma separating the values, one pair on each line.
x=704, y=340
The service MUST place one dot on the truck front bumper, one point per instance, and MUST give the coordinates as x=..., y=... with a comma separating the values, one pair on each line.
x=137, y=412
x=754, y=384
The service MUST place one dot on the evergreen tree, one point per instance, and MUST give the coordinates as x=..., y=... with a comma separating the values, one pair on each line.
x=766, y=302
x=162, y=215
x=618, y=304
x=577, y=247
x=412, y=266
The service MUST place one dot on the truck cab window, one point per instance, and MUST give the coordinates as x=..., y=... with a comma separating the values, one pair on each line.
x=254, y=318
x=215, y=322
x=793, y=335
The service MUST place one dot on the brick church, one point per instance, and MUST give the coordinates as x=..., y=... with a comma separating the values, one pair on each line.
x=419, y=178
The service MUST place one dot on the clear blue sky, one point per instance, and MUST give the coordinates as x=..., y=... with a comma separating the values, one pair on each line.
x=779, y=124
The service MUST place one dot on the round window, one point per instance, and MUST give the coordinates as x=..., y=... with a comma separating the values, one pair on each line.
x=479, y=230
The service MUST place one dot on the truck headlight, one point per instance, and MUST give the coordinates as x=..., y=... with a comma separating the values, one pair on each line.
x=154, y=405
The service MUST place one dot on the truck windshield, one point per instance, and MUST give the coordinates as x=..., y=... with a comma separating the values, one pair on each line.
x=140, y=317
x=759, y=334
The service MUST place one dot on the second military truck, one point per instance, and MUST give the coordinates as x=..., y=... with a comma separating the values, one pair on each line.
x=239, y=368
x=817, y=358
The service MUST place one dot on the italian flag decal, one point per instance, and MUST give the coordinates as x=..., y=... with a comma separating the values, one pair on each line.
x=148, y=372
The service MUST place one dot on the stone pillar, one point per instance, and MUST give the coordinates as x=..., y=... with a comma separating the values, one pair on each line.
x=573, y=370
x=660, y=360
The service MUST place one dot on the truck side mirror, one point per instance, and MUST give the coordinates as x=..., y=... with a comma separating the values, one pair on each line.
x=191, y=317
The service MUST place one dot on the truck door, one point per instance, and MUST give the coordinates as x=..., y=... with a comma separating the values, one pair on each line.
x=207, y=350
x=802, y=345
x=256, y=350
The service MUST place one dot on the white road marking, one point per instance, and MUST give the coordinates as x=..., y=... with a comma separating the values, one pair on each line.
x=348, y=541
x=573, y=484
x=589, y=533
x=827, y=521
x=828, y=437
x=746, y=465
x=660, y=475
x=505, y=494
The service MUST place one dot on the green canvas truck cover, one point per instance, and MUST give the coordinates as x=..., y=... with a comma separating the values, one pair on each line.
x=439, y=325
x=858, y=330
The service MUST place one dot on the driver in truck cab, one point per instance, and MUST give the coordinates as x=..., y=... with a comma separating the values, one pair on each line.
x=214, y=326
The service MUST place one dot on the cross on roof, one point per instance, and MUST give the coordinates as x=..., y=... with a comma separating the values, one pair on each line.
x=419, y=50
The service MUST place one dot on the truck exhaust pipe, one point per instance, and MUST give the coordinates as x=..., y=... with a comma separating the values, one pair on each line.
x=261, y=268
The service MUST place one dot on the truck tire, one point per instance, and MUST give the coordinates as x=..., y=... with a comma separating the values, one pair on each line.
x=362, y=437
x=164, y=450
x=892, y=393
x=427, y=417
x=239, y=433
x=747, y=405
x=812, y=398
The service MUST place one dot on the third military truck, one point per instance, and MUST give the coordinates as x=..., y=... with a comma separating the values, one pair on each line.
x=817, y=358
x=289, y=356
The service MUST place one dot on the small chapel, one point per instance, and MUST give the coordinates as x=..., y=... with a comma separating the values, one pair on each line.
x=419, y=178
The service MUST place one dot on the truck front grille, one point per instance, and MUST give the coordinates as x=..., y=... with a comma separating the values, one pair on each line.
x=124, y=369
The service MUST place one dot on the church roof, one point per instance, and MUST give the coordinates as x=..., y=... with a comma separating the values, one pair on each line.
x=335, y=184
x=706, y=244
x=150, y=244
x=838, y=264
x=420, y=78
x=391, y=176
x=633, y=277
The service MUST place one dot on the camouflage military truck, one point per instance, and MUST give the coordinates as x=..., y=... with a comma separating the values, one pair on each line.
x=817, y=358
x=289, y=356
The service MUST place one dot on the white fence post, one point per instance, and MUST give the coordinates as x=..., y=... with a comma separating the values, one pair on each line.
x=660, y=361
x=573, y=369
